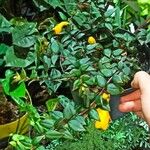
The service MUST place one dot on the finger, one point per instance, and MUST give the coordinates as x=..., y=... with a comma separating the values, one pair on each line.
x=131, y=97
x=141, y=80
x=131, y=106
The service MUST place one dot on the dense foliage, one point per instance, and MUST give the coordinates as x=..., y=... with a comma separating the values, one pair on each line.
x=79, y=52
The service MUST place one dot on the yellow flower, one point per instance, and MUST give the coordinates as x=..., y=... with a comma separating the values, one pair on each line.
x=106, y=96
x=104, y=119
x=17, y=77
x=91, y=40
x=58, y=28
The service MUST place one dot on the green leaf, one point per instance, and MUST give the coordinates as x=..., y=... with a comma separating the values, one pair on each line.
x=106, y=72
x=19, y=91
x=75, y=72
x=54, y=58
x=107, y=52
x=117, y=52
x=69, y=111
x=54, y=3
x=126, y=78
x=91, y=81
x=109, y=26
x=51, y=104
x=84, y=67
x=13, y=61
x=3, y=49
x=5, y=25
x=80, y=18
x=85, y=77
x=133, y=4
x=64, y=100
x=23, y=36
x=113, y=89
x=40, y=148
x=120, y=64
x=37, y=140
x=90, y=47
x=55, y=74
x=62, y=16
x=81, y=119
x=54, y=45
x=67, y=135
x=94, y=114
x=57, y=115
x=101, y=81
x=80, y=35
x=126, y=70
x=117, y=79
x=70, y=6
x=76, y=84
x=76, y=125
x=1, y=62
x=47, y=62
x=53, y=134
x=104, y=60
x=109, y=12
x=47, y=123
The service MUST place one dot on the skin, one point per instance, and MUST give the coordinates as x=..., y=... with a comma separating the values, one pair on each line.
x=139, y=100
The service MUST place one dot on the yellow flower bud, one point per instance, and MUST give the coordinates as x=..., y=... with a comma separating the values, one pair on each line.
x=17, y=77
x=91, y=40
x=104, y=118
x=58, y=28
x=106, y=96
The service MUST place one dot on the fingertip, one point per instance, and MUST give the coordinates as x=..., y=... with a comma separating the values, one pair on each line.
x=131, y=106
x=123, y=108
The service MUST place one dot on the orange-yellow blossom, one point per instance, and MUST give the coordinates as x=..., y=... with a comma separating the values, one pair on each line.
x=106, y=96
x=104, y=118
x=91, y=40
x=58, y=28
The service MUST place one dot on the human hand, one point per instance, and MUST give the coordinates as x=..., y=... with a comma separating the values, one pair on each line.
x=139, y=100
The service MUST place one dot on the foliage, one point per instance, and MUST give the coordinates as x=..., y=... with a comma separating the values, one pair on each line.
x=89, y=49
x=125, y=133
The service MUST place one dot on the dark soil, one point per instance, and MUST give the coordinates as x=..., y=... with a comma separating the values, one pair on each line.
x=8, y=112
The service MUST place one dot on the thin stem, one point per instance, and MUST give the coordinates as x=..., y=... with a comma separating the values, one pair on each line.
x=30, y=99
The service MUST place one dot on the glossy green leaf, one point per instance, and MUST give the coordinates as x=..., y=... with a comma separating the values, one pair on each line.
x=109, y=12
x=13, y=61
x=3, y=49
x=23, y=36
x=76, y=125
x=101, y=81
x=5, y=25
x=37, y=140
x=53, y=134
x=104, y=60
x=117, y=52
x=67, y=135
x=77, y=84
x=69, y=111
x=91, y=81
x=93, y=114
x=51, y=104
x=114, y=89
x=126, y=70
x=47, y=123
x=107, y=52
x=81, y=119
x=106, y=72
x=54, y=46
x=117, y=79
